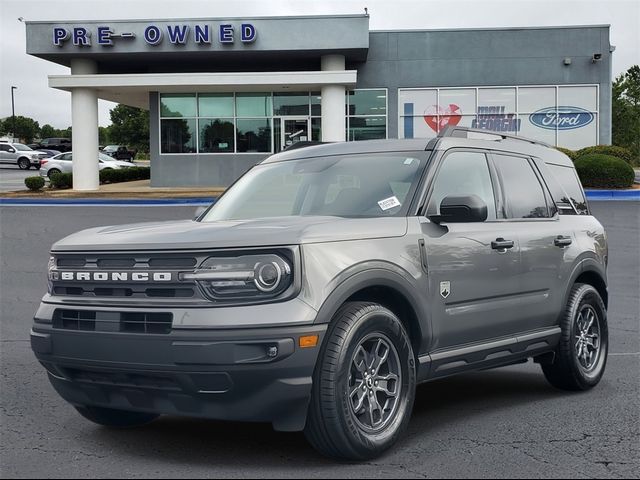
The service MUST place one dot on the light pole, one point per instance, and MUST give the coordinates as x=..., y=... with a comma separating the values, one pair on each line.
x=13, y=115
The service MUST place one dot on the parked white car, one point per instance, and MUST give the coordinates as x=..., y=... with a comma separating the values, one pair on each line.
x=21, y=155
x=63, y=163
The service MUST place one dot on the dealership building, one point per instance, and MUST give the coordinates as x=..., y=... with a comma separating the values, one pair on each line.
x=224, y=94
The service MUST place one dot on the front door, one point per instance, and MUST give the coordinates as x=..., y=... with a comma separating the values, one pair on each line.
x=472, y=267
x=290, y=130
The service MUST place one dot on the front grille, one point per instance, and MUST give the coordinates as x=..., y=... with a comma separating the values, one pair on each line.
x=158, y=323
x=124, y=266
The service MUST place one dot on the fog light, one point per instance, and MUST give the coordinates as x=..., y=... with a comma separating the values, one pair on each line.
x=272, y=352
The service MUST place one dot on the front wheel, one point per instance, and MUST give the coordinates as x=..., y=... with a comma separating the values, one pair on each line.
x=364, y=384
x=24, y=164
x=116, y=418
x=581, y=355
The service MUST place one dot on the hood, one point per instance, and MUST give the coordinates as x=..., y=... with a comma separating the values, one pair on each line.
x=189, y=234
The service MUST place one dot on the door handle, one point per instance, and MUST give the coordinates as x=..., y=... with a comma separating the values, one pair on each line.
x=501, y=244
x=562, y=241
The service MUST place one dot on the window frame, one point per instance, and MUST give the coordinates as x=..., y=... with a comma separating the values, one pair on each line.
x=348, y=116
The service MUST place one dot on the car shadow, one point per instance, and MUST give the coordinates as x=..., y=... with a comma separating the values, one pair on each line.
x=214, y=443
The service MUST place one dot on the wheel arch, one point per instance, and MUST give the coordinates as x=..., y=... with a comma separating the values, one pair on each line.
x=390, y=289
x=593, y=273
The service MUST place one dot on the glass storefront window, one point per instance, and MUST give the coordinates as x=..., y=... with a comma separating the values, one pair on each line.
x=253, y=105
x=367, y=102
x=316, y=99
x=291, y=104
x=178, y=105
x=215, y=105
x=367, y=128
x=316, y=129
x=178, y=136
x=216, y=135
x=254, y=135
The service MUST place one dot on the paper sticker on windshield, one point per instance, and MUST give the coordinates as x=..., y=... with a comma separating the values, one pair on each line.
x=408, y=161
x=389, y=203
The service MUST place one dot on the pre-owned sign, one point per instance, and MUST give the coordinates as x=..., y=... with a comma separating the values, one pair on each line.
x=178, y=34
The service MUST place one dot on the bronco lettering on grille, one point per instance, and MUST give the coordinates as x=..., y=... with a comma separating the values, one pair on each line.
x=115, y=276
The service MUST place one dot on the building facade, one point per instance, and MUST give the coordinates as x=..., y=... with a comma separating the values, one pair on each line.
x=224, y=94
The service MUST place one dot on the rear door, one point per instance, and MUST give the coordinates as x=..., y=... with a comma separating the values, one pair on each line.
x=5, y=155
x=547, y=245
x=472, y=267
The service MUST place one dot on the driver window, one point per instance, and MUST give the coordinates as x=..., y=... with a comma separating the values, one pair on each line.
x=463, y=173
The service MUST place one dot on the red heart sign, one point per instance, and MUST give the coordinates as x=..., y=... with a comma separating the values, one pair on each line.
x=440, y=118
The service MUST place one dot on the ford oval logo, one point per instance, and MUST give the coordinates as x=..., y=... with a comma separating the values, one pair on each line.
x=564, y=118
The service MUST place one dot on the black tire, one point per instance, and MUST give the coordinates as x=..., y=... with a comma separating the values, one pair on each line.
x=334, y=427
x=116, y=418
x=574, y=367
x=52, y=171
x=24, y=163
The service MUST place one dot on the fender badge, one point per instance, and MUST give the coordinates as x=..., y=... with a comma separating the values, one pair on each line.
x=445, y=289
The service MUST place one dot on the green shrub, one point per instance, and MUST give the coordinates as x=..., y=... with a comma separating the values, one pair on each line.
x=34, y=183
x=125, y=174
x=604, y=171
x=618, y=152
x=572, y=154
x=61, y=180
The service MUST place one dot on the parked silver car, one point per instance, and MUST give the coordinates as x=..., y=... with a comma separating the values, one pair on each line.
x=63, y=163
x=18, y=154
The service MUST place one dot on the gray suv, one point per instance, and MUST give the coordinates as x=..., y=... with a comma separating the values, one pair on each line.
x=327, y=283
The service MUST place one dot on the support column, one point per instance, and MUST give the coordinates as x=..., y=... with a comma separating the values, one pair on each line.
x=333, y=102
x=84, y=122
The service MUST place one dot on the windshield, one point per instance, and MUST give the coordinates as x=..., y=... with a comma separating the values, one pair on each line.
x=364, y=185
x=21, y=148
x=105, y=158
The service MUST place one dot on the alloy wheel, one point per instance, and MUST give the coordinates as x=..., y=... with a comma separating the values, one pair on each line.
x=587, y=336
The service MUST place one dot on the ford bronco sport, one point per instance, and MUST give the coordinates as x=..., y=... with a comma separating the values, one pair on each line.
x=327, y=283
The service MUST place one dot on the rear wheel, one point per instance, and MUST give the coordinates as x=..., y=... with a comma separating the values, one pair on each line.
x=581, y=355
x=116, y=418
x=364, y=384
x=52, y=171
x=24, y=163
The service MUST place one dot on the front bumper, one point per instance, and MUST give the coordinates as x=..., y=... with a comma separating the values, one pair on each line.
x=242, y=374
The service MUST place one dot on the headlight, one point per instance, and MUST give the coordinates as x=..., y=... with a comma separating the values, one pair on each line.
x=52, y=274
x=247, y=277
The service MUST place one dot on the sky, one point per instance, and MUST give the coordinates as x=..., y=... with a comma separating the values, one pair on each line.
x=35, y=99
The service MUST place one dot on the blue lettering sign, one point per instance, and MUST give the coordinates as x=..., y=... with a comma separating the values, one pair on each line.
x=81, y=37
x=201, y=34
x=60, y=35
x=104, y=36
x=562, y=118
x=494, y=118
x=226, y=33
x=178, y=34
x=248, y=33
x=152, y=35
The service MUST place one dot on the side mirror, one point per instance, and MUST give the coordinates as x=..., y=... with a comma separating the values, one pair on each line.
x=461, y=209
x=12, y=150
x=199, y=212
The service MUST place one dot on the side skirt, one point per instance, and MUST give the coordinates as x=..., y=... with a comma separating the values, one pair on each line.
x=486, y=355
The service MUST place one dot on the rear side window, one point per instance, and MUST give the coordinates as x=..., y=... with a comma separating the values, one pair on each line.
x=524, y=195
x=568, y=179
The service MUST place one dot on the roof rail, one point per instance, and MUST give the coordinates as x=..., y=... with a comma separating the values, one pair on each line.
x=462, y=132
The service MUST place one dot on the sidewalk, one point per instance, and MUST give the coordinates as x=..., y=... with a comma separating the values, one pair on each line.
x=127, y=190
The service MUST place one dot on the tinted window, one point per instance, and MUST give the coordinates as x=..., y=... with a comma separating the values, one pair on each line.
x=463, y=173
x=523, y=192
x=4, y=148
x=568, y=179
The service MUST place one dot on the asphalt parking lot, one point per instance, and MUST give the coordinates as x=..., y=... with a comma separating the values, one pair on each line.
x=500, y=423
x=12, y=178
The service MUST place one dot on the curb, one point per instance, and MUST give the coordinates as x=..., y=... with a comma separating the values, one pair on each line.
x=195, y=201
x=613, y=195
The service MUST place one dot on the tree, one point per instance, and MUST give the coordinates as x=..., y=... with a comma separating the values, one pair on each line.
x=104, y=135
x=626, y=110
x=24, y=128
x=130, y=127
x=47, y=131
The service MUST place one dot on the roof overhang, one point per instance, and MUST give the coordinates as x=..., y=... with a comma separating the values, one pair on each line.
x=134, y=89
